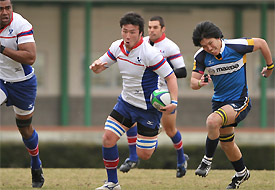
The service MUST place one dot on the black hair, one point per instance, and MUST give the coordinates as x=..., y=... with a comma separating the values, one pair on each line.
x=134, y=19
x=206, y=29
x=158, y=18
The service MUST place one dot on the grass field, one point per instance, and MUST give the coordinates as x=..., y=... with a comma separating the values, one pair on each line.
x=137, y=179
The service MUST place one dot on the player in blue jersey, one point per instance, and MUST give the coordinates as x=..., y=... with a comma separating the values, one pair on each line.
x=171, y=52
x=225, y=61
x=140, y=66
x=17, y=79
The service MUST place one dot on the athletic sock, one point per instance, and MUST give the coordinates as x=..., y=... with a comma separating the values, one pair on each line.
x=32, y=147
x=210, y=147
x=111, y=159
x=239, y=167
x=177, y=140
x=132, y=142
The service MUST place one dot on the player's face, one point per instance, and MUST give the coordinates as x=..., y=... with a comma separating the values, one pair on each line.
x=154, y=30
x=131, y=36
x=5, y=12
x=211, y=45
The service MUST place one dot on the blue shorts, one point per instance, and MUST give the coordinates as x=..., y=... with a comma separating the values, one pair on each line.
x=241, y=106
x=147, y=118
x=20, y=94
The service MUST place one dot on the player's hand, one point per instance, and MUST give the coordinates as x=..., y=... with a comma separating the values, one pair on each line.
x=97, y=66
x=205, y=80
x=266, y=73
x=168, y=109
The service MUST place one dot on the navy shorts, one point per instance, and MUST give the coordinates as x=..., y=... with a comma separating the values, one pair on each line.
x=147, y=118
x=20, y=94
x=241, y=106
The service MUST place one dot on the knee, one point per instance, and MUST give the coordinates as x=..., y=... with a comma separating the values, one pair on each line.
x=212, y=122
x=226, y=146
x=144, y=155
x=227, y=141
x=109, y=139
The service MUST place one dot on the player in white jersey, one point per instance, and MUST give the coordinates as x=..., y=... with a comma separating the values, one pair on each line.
x=18, y=81
x=225, y=61
x=140, y=65
x=171, y=52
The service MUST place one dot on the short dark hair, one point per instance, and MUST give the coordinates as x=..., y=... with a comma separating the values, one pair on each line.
x=206, y=29
x=158, y=18
x=134, y=19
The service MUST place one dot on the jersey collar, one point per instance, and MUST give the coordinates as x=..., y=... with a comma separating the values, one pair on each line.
x=161, y=38
x=123, y=49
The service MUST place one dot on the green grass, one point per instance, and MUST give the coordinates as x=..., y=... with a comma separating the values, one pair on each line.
x=137, y=179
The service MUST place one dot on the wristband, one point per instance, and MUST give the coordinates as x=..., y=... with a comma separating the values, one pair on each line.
x=270, y=67
x=199, y=83
x=2, y=48
x=174, y=102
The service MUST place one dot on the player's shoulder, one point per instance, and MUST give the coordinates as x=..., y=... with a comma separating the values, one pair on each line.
x=19, y=19
x=238, y=41
x=200, y=53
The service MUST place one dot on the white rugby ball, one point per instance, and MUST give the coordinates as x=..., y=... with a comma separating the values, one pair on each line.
x=160, y=98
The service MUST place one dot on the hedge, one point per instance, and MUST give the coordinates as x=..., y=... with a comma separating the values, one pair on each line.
x=90, y=156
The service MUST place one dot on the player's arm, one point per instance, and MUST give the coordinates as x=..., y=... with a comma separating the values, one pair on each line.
x=98, y=66
x=180, y=72
x=260, y=44
x=172, y=85
x=198, y=80
x=26, y=53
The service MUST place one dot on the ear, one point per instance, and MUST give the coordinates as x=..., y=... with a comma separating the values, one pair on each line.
x=163, y=29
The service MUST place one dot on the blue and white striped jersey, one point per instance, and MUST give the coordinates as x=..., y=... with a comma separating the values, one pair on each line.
x=229, y=72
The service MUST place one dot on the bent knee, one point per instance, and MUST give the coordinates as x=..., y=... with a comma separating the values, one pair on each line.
x=109, y=139
x=144, y=154
x=213, y=122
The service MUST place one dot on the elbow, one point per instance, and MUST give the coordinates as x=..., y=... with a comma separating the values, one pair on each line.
x=181, y=72
x=31, y=60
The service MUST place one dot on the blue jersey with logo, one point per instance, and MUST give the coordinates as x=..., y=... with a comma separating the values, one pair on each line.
x=227, y=72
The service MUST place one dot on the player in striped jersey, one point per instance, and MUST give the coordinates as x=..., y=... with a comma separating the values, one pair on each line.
x=170, y=51
x=140, y=66
x=18, y=81
x=225, y=61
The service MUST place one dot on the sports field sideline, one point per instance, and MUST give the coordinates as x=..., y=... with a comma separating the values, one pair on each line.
x=191, y=136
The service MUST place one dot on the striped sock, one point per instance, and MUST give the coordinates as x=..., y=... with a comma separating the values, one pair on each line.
x=32, y=147
x=177, y=140
x=132, y=142
x=111, y=159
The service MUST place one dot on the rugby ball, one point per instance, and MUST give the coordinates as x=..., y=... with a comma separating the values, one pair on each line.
x=160, y=98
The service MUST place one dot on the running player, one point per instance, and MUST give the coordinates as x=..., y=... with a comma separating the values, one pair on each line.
x=225, y=61
x=170, y=51
x=18, y=81
x=140, y=65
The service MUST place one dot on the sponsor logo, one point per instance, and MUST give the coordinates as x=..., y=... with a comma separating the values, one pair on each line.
x=226, y=68
x=17, y=69
x=139, y=59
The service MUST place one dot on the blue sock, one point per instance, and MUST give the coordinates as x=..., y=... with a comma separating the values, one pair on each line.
x=177, y=140
x=32, y=147
x=132, y=142
x=111, y=159
x=210, y=147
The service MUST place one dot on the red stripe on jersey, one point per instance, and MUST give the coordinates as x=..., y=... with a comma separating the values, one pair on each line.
x=33, y=152
x=178, y=145
x=111, y=164
x=130, y=62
